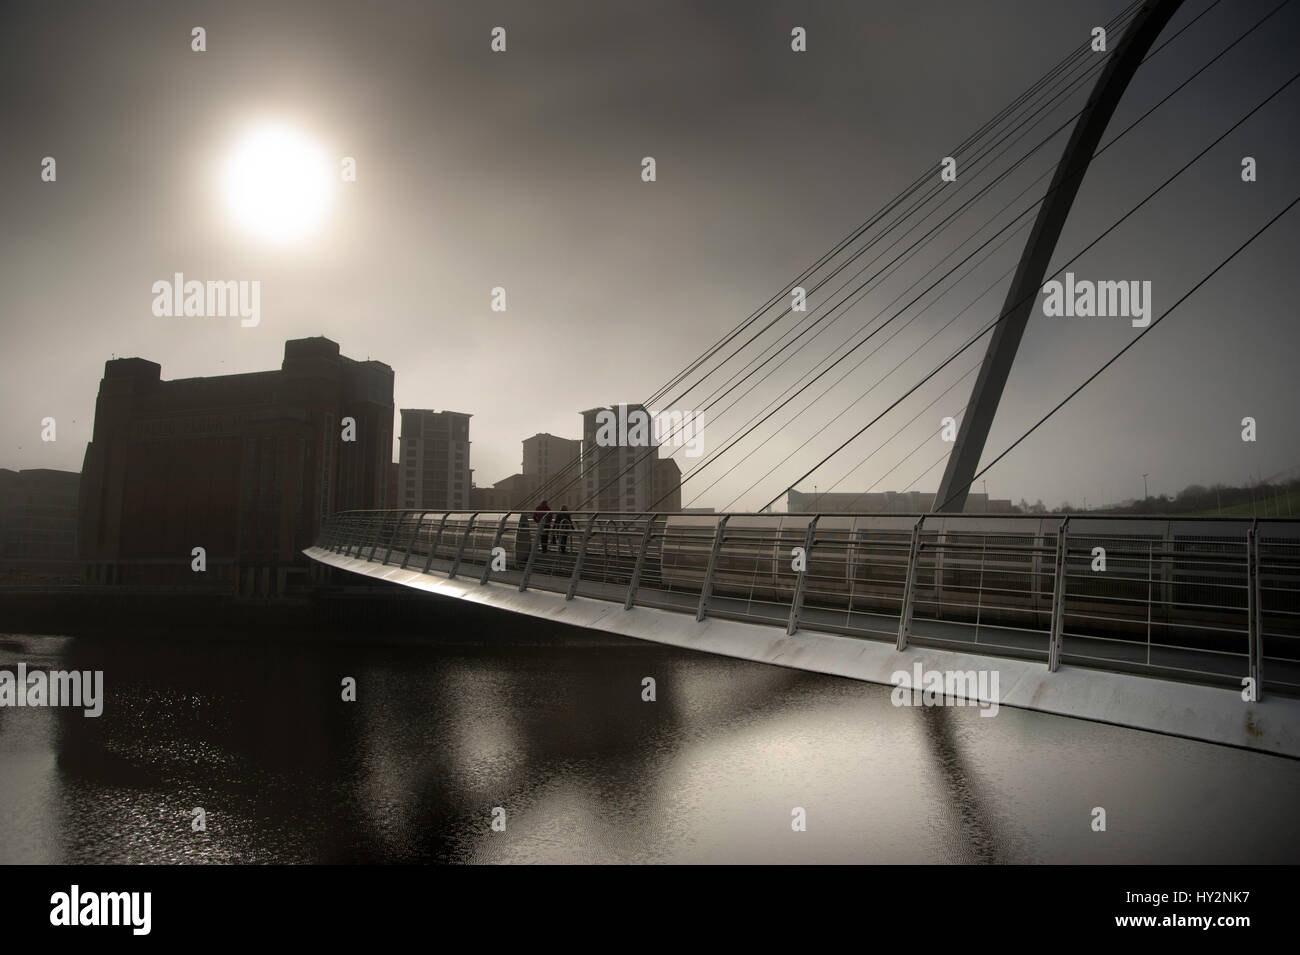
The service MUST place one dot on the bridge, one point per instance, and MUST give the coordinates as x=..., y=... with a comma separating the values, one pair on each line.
x=1189, y=619
x=1181, y=625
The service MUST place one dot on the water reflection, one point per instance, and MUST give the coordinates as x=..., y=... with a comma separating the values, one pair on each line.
x=255, y=732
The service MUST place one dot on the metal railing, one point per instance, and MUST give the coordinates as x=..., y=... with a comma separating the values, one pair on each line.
x=1206, y=600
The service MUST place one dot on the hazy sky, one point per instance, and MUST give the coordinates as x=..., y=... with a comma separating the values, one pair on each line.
x=523, y=170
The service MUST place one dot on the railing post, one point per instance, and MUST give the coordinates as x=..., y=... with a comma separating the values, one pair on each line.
x=397, y=528
x=706, y=588
x=437, y=539
x=909, y=586
x=640, y=562
x=796, y=602
x=460, y=551
x=496, y=542
x=415, y=535
x=1037, y=563
x=374, y=545
x=582, y=555
x=1254, y=638
x=1055, y=638
x=532, y=550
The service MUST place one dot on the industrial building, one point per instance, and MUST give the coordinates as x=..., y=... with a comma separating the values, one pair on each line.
x=243, y=466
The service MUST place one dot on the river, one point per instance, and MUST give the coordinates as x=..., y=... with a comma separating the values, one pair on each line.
x=556, y=737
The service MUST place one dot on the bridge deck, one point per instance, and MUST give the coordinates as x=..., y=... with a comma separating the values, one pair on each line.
x=734, y=628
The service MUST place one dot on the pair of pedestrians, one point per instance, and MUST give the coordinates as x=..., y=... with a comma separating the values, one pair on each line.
x=543, y=518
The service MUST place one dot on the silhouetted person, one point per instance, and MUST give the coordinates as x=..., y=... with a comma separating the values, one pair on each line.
x=563, y=524
x=542, y=517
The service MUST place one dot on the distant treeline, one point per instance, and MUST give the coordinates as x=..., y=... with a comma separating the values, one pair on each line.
x=1276, y=499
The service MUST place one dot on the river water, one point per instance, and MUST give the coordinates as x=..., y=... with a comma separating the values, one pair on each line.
x=558, y=738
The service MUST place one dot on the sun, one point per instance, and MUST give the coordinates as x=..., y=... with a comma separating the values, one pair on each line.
x=278, y=184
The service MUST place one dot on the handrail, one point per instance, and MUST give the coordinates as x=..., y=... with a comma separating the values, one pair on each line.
x=1207, y=599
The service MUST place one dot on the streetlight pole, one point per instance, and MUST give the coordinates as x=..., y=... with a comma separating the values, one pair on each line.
x=1145, y=494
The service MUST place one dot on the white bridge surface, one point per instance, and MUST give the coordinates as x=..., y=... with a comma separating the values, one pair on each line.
x=1188, y=710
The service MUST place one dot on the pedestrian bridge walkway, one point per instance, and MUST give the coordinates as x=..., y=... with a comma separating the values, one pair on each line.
x=1162, y=624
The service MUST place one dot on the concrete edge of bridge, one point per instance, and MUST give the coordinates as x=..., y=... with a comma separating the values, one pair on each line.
x=1187, y=710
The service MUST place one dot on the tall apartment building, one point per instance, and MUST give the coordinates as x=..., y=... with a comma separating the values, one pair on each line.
x=551, y=467
x=667, y=486
x=433, y=457
x=618, y=463
x=245, y=466
x=546, y=457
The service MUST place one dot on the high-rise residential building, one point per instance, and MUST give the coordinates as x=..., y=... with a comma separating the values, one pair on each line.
x=433, y=455
x=618, y=458
x=551, y=464
x=667, y=486
x=244, y=466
